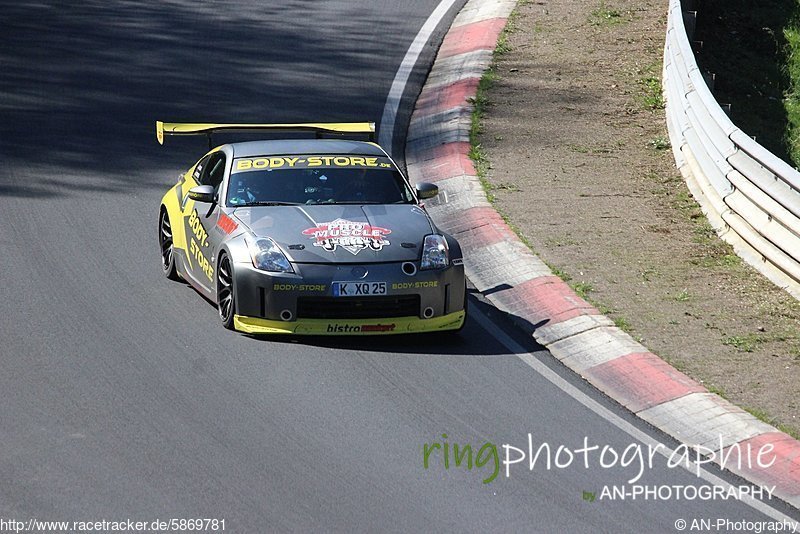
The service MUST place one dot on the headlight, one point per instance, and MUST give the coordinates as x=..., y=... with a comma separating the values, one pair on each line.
x=267, y=256
x=435, y=254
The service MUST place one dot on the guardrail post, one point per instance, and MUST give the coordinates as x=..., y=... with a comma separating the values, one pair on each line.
x=710, y=78
x=690, y=22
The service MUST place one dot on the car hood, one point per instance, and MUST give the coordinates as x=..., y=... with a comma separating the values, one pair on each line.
x=341, y=233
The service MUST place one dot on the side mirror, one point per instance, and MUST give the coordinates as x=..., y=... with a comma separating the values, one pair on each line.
x=202, y=193
x=426, y=190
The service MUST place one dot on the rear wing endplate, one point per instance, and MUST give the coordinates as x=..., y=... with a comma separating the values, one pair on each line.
x=318, y=128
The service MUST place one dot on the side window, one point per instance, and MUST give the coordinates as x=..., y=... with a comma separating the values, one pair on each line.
x=214, y=170
x=199, y=168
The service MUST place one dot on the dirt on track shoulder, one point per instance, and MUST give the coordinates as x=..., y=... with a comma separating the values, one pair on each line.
x=579, y=162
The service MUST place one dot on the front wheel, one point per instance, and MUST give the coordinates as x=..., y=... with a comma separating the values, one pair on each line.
x=167, y=247
x=226, y=298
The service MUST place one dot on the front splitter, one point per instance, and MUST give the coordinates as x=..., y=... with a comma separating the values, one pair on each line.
x=350, y=327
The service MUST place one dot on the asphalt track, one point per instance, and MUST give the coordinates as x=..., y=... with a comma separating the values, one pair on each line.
x=122, y=396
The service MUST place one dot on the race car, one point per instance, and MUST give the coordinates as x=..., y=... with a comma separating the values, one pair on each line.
x=321, y=235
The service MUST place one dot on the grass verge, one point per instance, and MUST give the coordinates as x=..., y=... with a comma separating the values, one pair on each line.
x=644, y=88
x=480, y=103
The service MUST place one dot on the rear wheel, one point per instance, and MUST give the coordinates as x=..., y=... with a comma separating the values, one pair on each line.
x=226, y=299
x=167, y=247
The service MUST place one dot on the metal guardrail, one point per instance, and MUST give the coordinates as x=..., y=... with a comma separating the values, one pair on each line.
x=750, y=196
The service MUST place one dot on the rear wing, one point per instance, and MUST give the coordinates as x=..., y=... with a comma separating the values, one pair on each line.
x=319, y=128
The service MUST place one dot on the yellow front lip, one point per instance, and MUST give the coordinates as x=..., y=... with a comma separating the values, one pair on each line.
x=350, y=327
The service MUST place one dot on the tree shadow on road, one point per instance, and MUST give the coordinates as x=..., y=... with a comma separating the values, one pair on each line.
x=83, y=83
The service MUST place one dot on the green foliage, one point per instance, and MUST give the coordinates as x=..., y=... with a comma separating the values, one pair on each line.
x=746, y=343
x=652, y=96
x=659, y=143
x=764, y=416
x=582, y=288
x=683, y=296
x=791, y=101
x=623, y=324
x=604, y=15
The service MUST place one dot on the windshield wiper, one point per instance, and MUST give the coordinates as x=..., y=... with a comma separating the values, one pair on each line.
x=357, y=202
x=269, y=203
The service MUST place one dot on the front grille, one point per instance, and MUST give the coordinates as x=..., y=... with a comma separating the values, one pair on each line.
x=357, y=307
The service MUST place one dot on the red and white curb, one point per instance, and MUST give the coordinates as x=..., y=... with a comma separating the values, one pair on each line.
x=519, y=283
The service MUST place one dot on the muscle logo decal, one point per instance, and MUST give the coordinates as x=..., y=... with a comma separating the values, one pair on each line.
x=351, y=236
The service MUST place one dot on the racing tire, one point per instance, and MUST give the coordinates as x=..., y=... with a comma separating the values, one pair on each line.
x=226, y=296
x=167, y=247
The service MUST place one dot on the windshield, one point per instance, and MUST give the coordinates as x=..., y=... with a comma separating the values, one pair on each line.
x=282, y=180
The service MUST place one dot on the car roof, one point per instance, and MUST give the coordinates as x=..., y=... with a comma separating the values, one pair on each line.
x=305, y=146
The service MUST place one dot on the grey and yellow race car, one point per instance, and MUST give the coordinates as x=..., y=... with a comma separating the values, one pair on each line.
x=309, y=236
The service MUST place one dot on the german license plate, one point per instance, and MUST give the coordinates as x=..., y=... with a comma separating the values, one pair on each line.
x=358, y=289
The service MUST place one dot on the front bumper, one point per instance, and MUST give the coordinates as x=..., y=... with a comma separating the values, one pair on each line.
x=350, y=327
x=303, y=302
